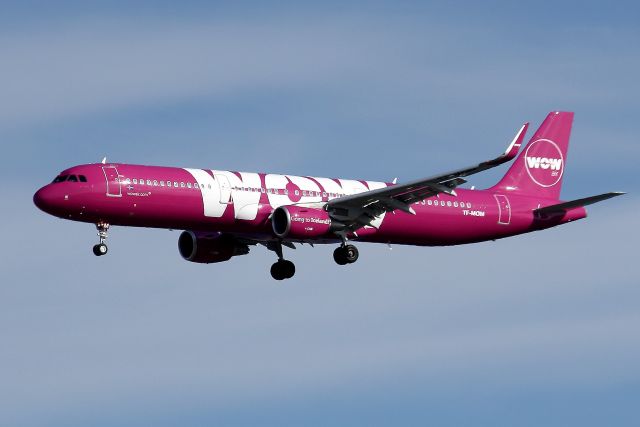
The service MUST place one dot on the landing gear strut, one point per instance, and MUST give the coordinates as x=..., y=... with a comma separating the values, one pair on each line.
x=345, y=254
x=281, y=269
x=101, y=248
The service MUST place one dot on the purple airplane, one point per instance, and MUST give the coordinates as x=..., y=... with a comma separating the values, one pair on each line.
x=226, y=212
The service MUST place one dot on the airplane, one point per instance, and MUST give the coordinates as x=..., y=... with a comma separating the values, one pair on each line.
x=224, y=213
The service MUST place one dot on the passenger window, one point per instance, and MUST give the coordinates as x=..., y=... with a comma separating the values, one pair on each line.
x=135, y=180
x=148, y=182
x=209, y=186
x=189, y=184
x=82, y=178
x=469, y=205
x=448, y=204
x=297, y=193
x=155, y=183
x=455, y=204
x=161, y=183
x=182, y=184
x=72, y=178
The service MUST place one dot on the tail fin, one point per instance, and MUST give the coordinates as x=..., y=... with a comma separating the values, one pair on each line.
x=539, y=168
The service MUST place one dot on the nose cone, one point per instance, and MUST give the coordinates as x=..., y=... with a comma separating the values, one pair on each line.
x=48, y=199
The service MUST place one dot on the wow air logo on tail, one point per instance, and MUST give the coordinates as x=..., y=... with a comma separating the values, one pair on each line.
x=544, y=162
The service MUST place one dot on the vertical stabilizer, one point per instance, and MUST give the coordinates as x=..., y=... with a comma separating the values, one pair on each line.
x=539, y=168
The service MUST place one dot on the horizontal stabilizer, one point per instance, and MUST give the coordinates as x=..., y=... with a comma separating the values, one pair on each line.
x=562, y=207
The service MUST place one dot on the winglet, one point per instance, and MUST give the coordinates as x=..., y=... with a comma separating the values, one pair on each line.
x=512, y=149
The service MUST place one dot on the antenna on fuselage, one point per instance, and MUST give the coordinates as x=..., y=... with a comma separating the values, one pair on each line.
x=104, y=160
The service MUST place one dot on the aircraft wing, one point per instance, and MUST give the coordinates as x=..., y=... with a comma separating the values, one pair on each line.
x=358, y=210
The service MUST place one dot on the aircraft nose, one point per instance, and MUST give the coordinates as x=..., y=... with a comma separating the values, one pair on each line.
x=46, y=199
x=40, y=198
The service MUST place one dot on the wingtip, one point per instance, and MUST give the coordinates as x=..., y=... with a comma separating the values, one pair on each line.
x=514, y=147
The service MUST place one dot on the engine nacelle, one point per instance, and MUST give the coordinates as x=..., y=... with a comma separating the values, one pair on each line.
x=209, y=247
x=299, y=222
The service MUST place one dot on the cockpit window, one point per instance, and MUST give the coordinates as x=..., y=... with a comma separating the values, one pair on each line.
x=72, y=178
x=60, y=178
x=82, y=178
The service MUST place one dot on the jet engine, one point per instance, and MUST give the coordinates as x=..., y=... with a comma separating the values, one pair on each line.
x=209, y=247
x=296, y=222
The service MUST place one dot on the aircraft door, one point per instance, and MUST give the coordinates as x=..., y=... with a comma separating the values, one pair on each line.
x=504, y=209
x=113, y=181
x=225, y=189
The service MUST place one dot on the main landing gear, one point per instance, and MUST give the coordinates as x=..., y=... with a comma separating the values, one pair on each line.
x=101, y=248
x=281, y=269
x=345, y=254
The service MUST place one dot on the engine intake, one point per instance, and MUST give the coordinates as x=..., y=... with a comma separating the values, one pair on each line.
x=209, y=247
x=300, y=222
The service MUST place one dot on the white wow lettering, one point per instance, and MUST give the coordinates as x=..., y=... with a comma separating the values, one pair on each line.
x=544, y=163
x=220, y=189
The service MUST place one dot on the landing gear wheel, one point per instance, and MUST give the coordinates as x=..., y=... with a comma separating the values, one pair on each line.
x=283, y=269
x=289, y=269
x=100, y=249
x=347, y=254
x=339, y=256
x=351, y=253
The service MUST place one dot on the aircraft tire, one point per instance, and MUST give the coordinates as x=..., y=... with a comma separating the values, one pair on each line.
x=283, y=269
x=351, y=254
x=100, y=249
x=339, y=256
x=288, y=268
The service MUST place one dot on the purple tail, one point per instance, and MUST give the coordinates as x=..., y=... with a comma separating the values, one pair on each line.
x=539, y=168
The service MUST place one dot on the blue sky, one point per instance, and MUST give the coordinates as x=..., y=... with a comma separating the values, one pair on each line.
x=535, y=330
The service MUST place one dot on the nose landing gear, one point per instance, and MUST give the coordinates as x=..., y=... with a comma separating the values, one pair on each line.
x=101, y=248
